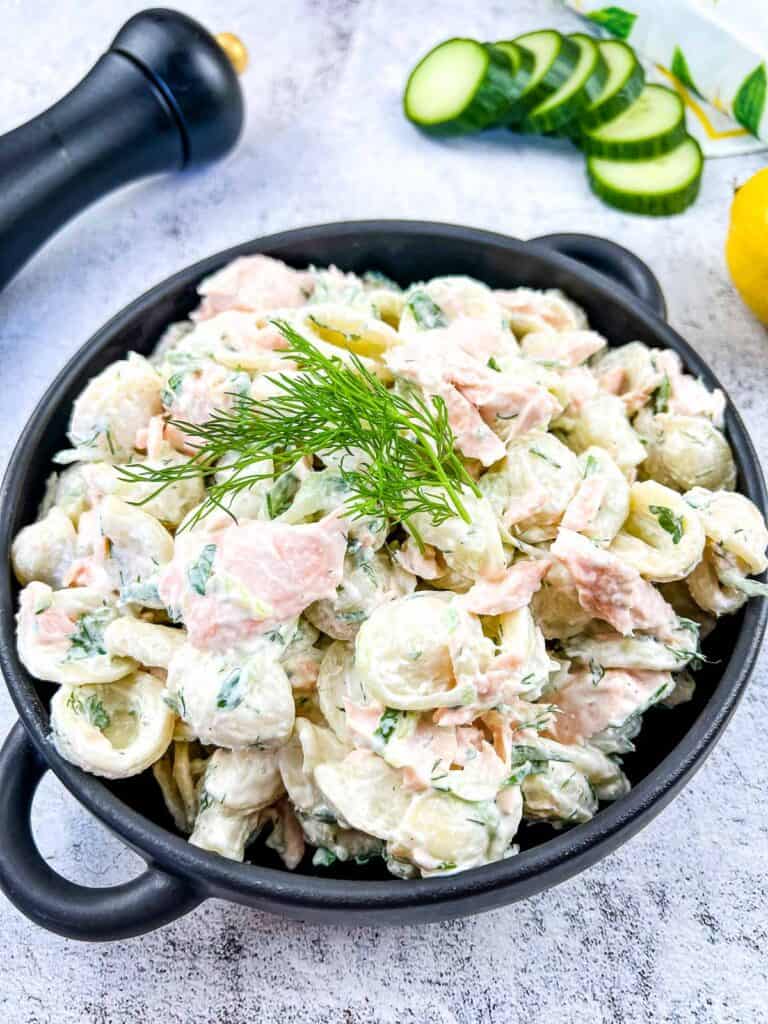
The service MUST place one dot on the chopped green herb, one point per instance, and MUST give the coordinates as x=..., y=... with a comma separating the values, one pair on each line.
x=323, y=857
x=387, y=724
x=591, y=466
x=597, y=671
x=493, y=365
x=426, y=311
x=281, y=494
x=325, y=815
x=546, y=458
x=97, y=715
x=668, y=521
x=176, y=704
x=353, y=615
x=369, y=570
x=380, y=280
x=660, y=397
x=522, y=753
x=690, y=624
x=199, y=571
x=171, y=389
x=140, y=592
x=87, y=641
x=91, y=707
x=365, y=858
x=230, y=696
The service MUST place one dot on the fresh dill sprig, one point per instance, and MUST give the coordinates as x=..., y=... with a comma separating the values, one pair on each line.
x=404, y=463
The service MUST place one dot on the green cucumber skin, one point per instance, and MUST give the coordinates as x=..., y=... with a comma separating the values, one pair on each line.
x=635, y=149
x=522, y=76
x=614, y=105
x=557, y=74
x=553, y=121
x=652, y=205
x=492, y=97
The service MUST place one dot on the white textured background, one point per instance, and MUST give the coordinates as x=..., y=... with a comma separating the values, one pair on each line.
x=672, y=928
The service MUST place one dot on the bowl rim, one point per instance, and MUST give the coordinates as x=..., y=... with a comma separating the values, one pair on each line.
x=532, y=870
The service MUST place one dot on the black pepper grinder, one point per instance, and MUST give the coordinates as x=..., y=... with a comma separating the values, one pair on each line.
x=164, y=96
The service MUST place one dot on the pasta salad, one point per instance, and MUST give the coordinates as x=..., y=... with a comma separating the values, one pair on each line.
x=380, y=572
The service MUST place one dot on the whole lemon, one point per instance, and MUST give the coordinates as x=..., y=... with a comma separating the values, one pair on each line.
x=746, y=249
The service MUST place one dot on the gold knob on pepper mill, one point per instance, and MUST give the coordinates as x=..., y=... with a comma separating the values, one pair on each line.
x=235, y=50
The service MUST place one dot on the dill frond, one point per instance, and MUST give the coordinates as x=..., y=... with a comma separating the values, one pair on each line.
x=408, y=463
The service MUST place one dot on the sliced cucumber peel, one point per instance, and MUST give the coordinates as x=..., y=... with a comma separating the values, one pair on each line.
x=659, y=186
x=653, y=125
x=581, y=88
x=623, y=85
x=554, y=58
x=523, y=64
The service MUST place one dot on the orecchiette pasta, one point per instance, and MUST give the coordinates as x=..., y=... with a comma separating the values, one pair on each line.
x=145, y=642
x=307, y=642
x=113, y=408
x=114, y=729
x=602, y=421
x=530, y=490
x=662, y=537
x=45, y=550
x=61, y=635
x=687, y=451
x=421, y=652
x=238, y=699
x=168, y=506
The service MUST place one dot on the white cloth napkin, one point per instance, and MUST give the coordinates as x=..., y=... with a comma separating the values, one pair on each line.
x=714, y=52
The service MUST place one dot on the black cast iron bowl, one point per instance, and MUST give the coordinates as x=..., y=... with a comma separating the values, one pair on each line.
x=624, y=302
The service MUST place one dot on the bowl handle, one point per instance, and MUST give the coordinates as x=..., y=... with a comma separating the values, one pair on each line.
x=613, y=261
x=75, y=911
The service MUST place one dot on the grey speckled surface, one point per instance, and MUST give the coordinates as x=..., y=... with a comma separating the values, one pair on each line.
x=673, y=927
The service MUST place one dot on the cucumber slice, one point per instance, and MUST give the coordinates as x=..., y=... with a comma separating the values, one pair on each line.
x=554, y=58
x=461, y=86
x=653, y=125
x=523, y=64
x=584, y=85
x=623, y=85
x=659, y=186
